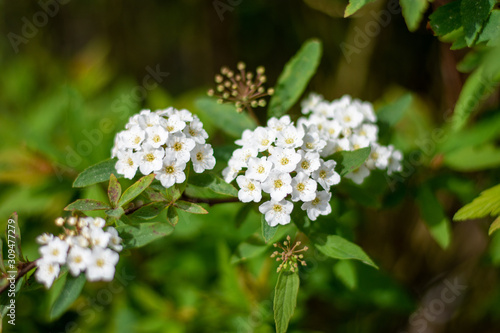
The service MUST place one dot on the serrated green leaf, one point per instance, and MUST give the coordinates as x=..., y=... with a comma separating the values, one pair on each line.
x=489, y=34
x=474, y=14
x=413, y=12
x=150, y=210
x=135, y=189
x=13, y=237
x=348, y=161
x=446, y=19
x=354, y=6
x=225, y=117
x=488, y=203
x=340, y=248
x=434, y=216
x=268, y=232
x=392, y=113
x=172, y=216
x=294, y=78
x=135, y=236
x=494, y=226
x=114, y=191
x=69, y=293
x=285, y=299
x=214, y=183
x=87, y=205
x=473, y=158
x=96, y=173
x=190, y=207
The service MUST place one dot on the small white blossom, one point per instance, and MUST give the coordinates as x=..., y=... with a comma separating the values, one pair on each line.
x=195, y=131
x=263, y=138
x=359, y=174
x=44, y=238
x=326, y=175
x=101, y=265
x=289, y=137
x=249, y=189
x=132, y=138
x=278, y=185
x=55, y=251
x=320, y=205
x=173, y=124
x=229, y=173
x=150, y=159
x=203, y=158
x=276, y=212
x=156, y=136
x=284, y=159
x=181, y=147
x=394, y=161
x=78, y=258
x=148, y=119
x=303, y=188
x=258, y=168
x=127, y=163
x=172, y=171
x=47, y=272
x=98, y=237
x=115, y=242
x=279, y=124
x=309, y=162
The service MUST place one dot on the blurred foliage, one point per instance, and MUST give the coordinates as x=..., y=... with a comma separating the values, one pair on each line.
x=69, y=84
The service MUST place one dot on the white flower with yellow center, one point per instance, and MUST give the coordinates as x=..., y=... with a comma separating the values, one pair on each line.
x=370, y=131
x=250, y=189
x=115, y=242
x=303, y=188
x=173, y=124
x=156, y=136
x=180, y=146
x=44, y=238
x=278, y=185
x=46, y=272
x=195, y=131
x=98, y=237
x=289, y=137
x=172, y=171
x=349, y=117
x=127, y=163
x=263, y=138
x=132, y=138
x=310, y=103
x=320, y=205
x=148, y=119
x=278, y=125
x=202, y=157
x=240, y=157
x=326, y=175
x=78, y=258
x=229, y=173
x=258, y=168
x=276, y=212
x=55, y=251
x=101, y=265
x=359, y=174
x=312, y=140
x=309, y=162
x=150, y=159
x=379, y=157
x=284, y=159
x=358, y=142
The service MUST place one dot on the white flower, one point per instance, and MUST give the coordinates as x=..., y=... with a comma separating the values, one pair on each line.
x=309, y=162
x=173, y=124
x=127, y=163
x=47, y=272
x=303, y=188
x=98, y=237
x=284, y=159
x=115, y=241
x=279, y=124
x=202, y=157
x=180, y=146
x=101, y=265
x=249, y=189
x=349, y=117
x=183, y=114
x=289, y=137
x=324, y=109
x=258, y=168
x=247, y=139
x=394, y=161
x=172, y=171
x=312, y=141
x=320, y=205
x=78, y=258
x=96, y=222
x=195, y=131
x=55, y=251
x=229, y=173
x=148, y=119
x=366, y=110
x=332, y=129
x=44, y=238
x=240, y=157
x=379, y=157
x=358, y=142
x=156, y=136
x=370, y=131
x=132, y=138
x=310, y=103
x=359, y=174
x=150, y=159
x=278, y=185
x=276, y=212
x=263, y=138
x=325, y=175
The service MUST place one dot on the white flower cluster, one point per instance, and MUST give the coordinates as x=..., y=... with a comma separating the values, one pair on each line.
x=287, y=160
x=84, y=247
x=163, y=142
x=349, y=124
x=283, y=160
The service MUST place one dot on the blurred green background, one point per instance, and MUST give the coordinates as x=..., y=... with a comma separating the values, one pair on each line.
x=70, y=81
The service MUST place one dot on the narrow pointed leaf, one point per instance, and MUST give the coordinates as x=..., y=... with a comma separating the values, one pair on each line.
x=494, y=226
x=190, y=207
x=285, y=299
x=348, y=161
x=135, y=189
x=149, y=211
x=214, y=183
x=488, y=203
x=340, y=248
x=70, y=292
x=268, y=232
x=87, y=205
x=139, y=235
x=354, y=6
x=434, y=216
x=96, y=173
x=114, y=190
x=413, y=12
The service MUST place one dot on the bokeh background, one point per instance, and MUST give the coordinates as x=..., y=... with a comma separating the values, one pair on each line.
x=70, y=81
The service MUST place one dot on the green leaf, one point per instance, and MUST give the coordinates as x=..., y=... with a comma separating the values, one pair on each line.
x=474, y=14
x=434, y=216
x=268, y=232
x=348, y=161
x=214, y=183
x=446, y=18
x=150, y=210
x=413, y=12
x=294, y=78
x=135, y=189
x=340, y=248
x=489, y=34
x=70, y=292
x=2, y=266
x=172, y=216
x=473, y=158
x=478, y=85
x=87, y=205
x=96, y=173
x=225, y=117
x=135, y=236
x=190, y=207
x=392, y=113
x=354, y=6
x=494, y=226
x=13, y=238
x=114, y=191
x=246, y=251
x=285, y=299
x=346, y=272
x=116, y=212
x=488, y=203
